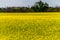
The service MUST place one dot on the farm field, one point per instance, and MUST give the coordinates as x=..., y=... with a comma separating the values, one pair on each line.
x=30, y=26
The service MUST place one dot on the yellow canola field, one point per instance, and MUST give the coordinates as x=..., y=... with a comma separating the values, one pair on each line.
x=43, y=26
x=46, y=15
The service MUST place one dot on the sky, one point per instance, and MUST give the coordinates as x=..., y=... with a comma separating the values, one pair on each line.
x=11, y=3
x=53, y=3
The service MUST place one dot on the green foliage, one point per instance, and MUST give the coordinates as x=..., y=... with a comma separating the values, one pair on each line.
x=40, y=6
x=37, y=7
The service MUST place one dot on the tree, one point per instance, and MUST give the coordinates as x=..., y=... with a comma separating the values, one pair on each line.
x=40, y=6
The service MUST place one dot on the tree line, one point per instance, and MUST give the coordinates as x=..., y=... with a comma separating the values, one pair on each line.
x=37, y=7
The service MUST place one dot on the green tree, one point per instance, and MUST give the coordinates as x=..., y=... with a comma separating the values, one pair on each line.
x=40, y=6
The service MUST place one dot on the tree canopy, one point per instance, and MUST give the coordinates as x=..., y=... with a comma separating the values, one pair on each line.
x=40, y=6
x=37, y=7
